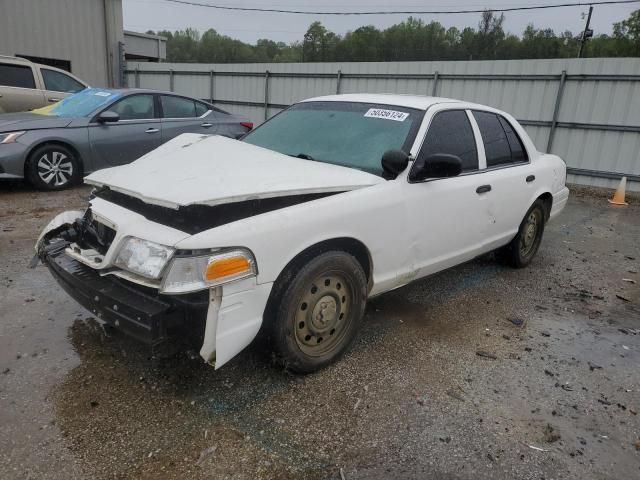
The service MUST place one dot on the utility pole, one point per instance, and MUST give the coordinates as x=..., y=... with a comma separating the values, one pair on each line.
x=588, y=33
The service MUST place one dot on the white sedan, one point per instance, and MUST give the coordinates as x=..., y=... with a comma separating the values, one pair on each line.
x=289, y=231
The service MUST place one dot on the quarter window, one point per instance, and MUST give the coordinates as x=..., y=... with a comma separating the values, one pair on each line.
x=135, y=107
x=518, y=152
x=16, y=76
x=496, y=146
x=201, y=109
x=450, y=132
x=59, y=82
x=502, y=145
x=177, y=107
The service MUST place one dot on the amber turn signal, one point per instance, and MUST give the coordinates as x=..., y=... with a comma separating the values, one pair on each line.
x=226, y=267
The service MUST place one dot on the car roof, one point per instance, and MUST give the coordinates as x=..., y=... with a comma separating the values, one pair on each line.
x=409, y=101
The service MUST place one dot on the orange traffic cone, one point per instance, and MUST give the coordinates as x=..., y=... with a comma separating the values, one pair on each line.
x=618, y=197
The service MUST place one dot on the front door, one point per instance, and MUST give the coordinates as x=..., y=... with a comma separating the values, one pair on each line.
x=138, y=131
x=447, y=215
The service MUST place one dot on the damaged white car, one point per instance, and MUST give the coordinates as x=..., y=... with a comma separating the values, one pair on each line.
x=290, y=230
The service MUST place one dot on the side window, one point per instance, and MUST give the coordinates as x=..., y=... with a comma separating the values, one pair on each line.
x=201, y=109
x=177, y=107
x=518, y=152
x=134, y=107
x=16, y=76
x=450, y=132
x=496, y=145
x=59, y=82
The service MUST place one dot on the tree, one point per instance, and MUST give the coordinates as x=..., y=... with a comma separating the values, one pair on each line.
x=490, y=34
x=627, y=33
x=411, y=39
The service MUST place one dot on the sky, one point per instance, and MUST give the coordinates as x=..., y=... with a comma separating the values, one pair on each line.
x=143, y=15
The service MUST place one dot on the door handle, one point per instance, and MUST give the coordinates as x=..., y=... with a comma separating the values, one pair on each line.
x=207, y=125
x=483, y=189
x=531, y=178
x=53, y=99
x=151, y=130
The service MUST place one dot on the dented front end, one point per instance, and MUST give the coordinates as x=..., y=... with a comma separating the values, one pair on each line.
x=83, y=251
x=137, y=310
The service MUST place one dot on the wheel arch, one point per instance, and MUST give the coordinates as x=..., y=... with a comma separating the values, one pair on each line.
x=547, y=199
x=349, y=245
x=62, y=143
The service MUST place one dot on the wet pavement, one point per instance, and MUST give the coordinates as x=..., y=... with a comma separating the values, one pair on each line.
x=477, y=372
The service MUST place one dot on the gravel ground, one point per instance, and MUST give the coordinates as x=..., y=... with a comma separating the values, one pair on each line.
x=478, y=372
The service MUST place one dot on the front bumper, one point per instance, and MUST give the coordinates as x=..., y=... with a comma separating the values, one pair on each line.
x=220, y=321
x=137, y=311
x=12, y=157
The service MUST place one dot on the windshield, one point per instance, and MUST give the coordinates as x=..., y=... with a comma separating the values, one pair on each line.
x=343, y=133
x=80, y=104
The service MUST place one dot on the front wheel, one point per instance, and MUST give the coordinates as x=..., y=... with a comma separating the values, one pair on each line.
x=521, y=250
x=53, y=167
x=319, y=311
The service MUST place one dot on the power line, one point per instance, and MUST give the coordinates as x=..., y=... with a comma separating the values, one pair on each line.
x=407, y=12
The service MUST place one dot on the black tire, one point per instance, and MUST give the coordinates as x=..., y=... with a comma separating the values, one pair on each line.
x=317, y=311
x=53, y=167
x=524, y=246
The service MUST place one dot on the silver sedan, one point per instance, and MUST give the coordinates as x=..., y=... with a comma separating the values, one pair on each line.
x=53, y=147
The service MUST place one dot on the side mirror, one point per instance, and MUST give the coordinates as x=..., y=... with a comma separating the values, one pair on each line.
x=108, y=117
x=394, y=162
x=438, y=165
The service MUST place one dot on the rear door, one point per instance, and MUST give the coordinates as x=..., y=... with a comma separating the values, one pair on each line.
x=447, y=215
x=508, y=174
x=137, y=132
x=58, y=85
x=185, y=115
x=18, y=88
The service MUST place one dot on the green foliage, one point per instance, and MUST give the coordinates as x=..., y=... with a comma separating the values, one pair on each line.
x=412, y=39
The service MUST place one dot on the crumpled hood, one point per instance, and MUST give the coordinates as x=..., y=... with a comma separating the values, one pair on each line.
x=11, y=122
x=213, y=170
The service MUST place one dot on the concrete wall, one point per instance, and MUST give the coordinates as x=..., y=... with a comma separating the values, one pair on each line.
x=84, y=32
x=593, y=110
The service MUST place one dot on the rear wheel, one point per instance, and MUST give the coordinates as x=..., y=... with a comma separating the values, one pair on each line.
x=53, y=167
x=319, y=311
x=521, y=250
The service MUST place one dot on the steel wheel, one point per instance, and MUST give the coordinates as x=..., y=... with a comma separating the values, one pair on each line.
x=323, y=314
x=521, y=250
x=529, y=234
x=55, y=168
x=315, y=310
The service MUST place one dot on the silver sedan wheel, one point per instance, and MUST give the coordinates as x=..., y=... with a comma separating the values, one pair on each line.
x=55, y=168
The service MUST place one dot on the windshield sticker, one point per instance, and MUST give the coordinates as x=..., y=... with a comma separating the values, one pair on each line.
x=386, y=114
x=102, y=94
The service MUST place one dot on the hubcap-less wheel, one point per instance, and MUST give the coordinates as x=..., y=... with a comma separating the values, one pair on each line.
x=323, y=316
x=55, y=168
x=530, y=232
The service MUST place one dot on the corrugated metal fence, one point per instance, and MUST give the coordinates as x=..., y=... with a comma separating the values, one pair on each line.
x=585, y=110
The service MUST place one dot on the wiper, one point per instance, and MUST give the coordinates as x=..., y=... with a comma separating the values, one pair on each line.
x=304, y=156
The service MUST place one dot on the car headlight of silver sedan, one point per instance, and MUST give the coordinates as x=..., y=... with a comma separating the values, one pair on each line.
x=10, y=137
x=192, y=273
x=143, y=257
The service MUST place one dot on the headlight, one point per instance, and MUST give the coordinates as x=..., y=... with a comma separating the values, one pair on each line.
x=143, y=257
x=9, y=137
x=188, y=274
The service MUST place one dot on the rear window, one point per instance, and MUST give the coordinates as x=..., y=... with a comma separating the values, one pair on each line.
x=16, y=76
